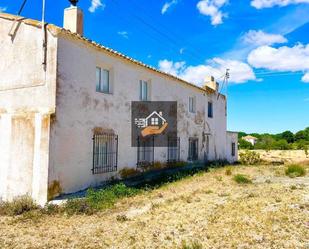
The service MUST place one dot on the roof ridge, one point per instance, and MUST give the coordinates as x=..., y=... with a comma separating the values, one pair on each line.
x=58, y=30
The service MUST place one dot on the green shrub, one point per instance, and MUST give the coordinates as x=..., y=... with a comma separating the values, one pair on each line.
x=78, y=206
x=249, y=157
x=18, y=206
x=128, y=172
x=242, y=179
x=192, y=245
x=228, y=171
x=295, y=170
x=177, y=164
x=97, y=200
x=217, y=163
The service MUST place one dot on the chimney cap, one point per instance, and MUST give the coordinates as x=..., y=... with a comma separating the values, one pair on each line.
x=73, y=2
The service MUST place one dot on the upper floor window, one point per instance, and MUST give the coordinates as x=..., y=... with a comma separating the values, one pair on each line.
x=144, y=94
x=210, y=110
x=103, y=80
x=192, y=104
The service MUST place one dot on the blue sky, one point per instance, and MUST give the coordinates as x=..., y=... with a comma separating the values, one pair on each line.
x=264, y=43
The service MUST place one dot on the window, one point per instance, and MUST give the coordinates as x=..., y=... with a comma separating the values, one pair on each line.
x=192, y=104
x=144, y=90
x=145, y=151
x=105, y=153
x=193, y=149
x=233, y=149
x=154, y=121
x=173, y=149
x=210, y=109
x=103, y=80
x=207, y=145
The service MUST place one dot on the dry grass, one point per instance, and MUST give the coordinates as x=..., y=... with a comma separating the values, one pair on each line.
x=197, y=212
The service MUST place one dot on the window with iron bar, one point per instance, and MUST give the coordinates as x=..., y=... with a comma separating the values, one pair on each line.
x=105, y=153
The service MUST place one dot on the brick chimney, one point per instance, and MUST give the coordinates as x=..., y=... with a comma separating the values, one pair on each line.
x=73, y=19
x=211, y=83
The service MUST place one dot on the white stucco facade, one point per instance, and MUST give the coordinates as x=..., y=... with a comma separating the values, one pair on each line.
x=48, y=117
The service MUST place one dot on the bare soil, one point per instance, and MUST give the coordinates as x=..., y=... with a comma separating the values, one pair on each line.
x=209, y=209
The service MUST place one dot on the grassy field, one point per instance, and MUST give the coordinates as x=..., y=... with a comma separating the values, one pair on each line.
x=216, y=209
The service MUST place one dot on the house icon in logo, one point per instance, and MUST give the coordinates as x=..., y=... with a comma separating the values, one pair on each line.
x=153, y=124
x=155, y=119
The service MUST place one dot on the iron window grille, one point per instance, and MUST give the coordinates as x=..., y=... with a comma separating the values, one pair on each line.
x=145, y=152
x=193, y=149
x=173, y=149
x=105, y=153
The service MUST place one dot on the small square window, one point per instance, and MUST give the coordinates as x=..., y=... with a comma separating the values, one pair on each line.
x=102, y=80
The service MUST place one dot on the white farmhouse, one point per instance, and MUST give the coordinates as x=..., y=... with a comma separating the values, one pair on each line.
x=251, y=139
x=65, y=110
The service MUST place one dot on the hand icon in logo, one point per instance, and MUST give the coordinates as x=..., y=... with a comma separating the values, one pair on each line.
x=153, y=130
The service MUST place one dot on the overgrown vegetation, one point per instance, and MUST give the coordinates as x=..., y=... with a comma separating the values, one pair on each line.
x=242, y=179
x=283, y=141
x=249, y=157
x=191, y=245
x=18, y=206
x=295, y=170
x=95, y=200
x=157, y=165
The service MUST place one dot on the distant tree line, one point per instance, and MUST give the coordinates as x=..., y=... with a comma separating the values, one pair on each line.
x=282, y=141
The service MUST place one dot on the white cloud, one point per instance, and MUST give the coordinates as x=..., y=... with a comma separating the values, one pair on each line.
x=260, y=38
x=212, y=8
x=167, y=5
x=171, y=67
x=240, y=72
x=281, y=59
x=293, y=59
x=124, y=34
x=96, y=4
x=182, y=50
x=260, y=4
x=3, y=9
x=305, y=79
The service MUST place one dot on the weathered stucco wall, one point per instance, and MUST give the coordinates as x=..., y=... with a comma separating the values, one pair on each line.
x=27, y=98
x=231, y=137
x=80, y=109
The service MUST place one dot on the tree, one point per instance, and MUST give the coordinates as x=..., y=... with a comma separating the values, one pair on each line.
x=282, y=144
x=301, y=135
x=243, y=144
x=288, y=136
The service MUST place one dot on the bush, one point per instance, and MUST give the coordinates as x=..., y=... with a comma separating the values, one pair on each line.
x=18, y=206
x=177, y=164
x=217, y=163
x=128, y=172
x=98, y=200
x=242, y=179
x=78, y=206
x=228, y=171
x=295, y=170
x=249, y=157
x=192, y=245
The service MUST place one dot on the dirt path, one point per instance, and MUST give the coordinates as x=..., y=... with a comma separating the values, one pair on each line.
x=209, y=209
